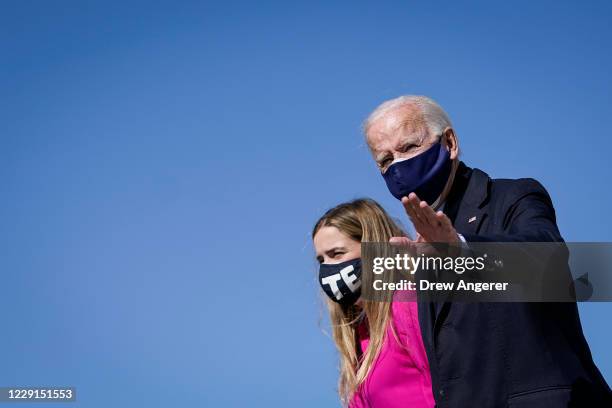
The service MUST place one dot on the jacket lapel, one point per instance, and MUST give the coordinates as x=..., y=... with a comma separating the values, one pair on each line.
x=466, y=207
x=467, y=201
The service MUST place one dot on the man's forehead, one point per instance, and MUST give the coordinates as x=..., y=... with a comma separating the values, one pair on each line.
x=385, y=133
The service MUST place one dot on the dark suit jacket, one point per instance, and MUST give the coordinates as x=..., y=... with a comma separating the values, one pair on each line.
x=516, y=355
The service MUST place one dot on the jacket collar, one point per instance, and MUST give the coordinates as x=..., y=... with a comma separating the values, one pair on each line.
x=467, y=201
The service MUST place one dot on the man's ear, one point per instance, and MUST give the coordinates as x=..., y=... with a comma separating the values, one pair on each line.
x=449, y=139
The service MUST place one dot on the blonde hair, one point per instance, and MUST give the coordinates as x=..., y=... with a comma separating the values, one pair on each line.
x=363, y=220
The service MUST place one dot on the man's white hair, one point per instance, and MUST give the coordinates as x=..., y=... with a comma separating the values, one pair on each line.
x=433, y=115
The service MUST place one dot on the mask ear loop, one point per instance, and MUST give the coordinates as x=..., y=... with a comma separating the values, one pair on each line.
x=436, y=204
x=449, y=183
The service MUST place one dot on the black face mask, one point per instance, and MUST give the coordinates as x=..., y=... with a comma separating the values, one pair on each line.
x=341, y=281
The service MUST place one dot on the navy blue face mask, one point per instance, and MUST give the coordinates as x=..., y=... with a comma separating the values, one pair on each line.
x=341, y=281
x=425, y=174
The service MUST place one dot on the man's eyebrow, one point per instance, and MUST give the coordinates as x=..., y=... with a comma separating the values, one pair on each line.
x=380, y=156
x=405, y=141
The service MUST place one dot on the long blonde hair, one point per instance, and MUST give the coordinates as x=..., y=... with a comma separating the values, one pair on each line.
x=363, y=220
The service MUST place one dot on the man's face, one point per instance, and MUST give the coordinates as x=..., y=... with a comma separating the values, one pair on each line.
x=399, y=134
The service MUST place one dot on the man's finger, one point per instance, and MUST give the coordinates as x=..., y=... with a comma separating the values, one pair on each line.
x=444, y=220
x=429, y=215
x=410, y=211
x=413, y=203
x=400, y=241
x=448, y=226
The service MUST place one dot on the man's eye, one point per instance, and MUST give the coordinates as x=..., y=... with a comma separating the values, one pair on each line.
x=407, y=147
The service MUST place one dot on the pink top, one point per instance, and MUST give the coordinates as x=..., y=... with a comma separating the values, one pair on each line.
x=400, y=376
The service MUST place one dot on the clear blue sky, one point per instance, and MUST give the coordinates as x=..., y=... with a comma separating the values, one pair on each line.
x=162, y=164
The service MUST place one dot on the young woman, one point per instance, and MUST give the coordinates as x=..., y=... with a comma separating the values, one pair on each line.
x=382, y=357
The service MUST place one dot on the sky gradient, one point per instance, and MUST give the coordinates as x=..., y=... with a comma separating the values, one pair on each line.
x=163, y=164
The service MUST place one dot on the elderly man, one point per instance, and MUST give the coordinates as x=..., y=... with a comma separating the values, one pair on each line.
x=481, y=354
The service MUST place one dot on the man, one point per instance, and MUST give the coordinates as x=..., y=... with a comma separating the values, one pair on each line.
x=481, y=354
